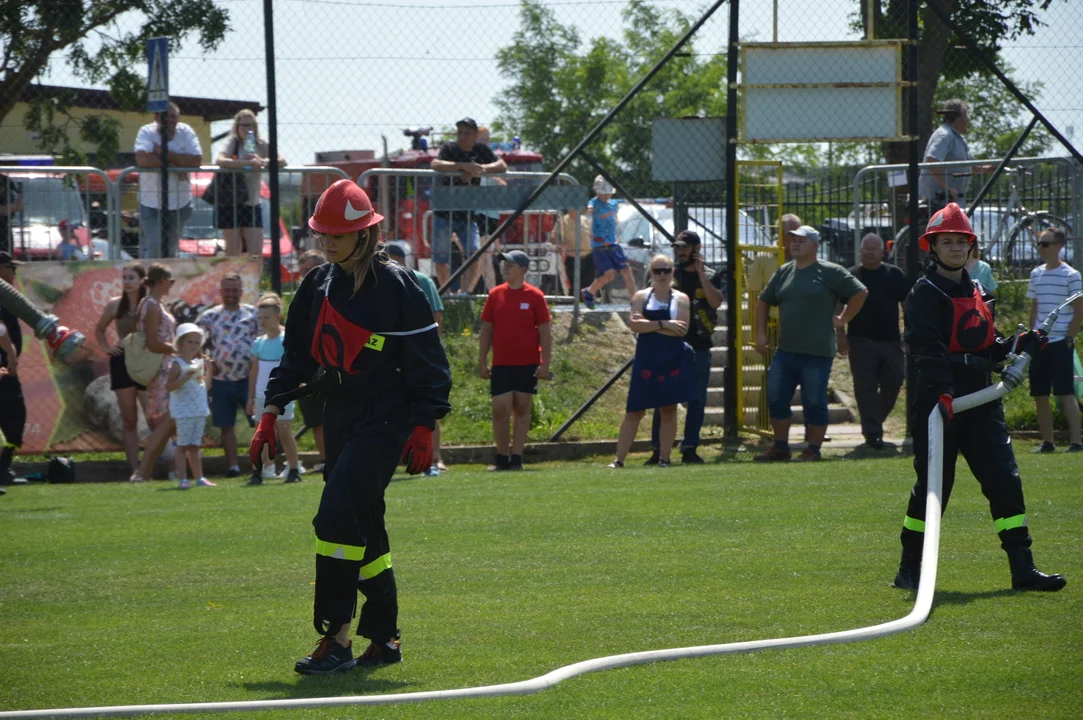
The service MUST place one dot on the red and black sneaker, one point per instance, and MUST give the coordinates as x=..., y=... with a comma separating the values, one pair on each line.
x=387, y=653
x=328, y=657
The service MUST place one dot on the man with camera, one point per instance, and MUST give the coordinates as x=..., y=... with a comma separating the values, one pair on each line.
x=702, y=286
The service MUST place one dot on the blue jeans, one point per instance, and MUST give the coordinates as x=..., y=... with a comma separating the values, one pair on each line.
x=693, y=420
x=150, y=245
x=442, y=228
x=787, y=371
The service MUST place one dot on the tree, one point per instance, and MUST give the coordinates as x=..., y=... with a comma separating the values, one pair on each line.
x=562, y=87
x=942, y=56
x=99, y=50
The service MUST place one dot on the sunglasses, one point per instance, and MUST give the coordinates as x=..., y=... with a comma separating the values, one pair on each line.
x=662, y=270
x=1045, y=243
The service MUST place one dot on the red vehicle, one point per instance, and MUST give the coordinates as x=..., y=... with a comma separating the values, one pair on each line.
x=404, y=200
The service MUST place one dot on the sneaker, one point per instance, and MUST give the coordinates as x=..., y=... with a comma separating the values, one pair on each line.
x=440, y=466
x=3, y=491
x=387, y=653
x=432, y=472
x=204, y=482
x=137, y=478
x=663, y=463
x=808, y=456
x=286, y=470
x=328, y=657
x=653, y=459
x=615, y=465
x=293, y=476
x=269, y=472
x=501, y=463
x=587, y=297
x=773, y=454
x=318, y=467
x=1074, y=447
x=185, y=484
x=516, y=462
x=255, y=479
x=233, y=472
x=1045, y=447
x=689, y=457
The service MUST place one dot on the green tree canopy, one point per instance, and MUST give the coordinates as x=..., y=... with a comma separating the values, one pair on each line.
x=99, y=49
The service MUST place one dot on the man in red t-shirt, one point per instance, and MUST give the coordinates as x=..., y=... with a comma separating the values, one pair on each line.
x=515, y=324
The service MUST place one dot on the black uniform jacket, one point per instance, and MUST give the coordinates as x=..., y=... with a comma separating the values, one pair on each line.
x=930, y=319
x=405, y=351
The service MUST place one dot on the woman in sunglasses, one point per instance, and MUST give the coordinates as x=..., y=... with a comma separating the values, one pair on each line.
x=662, y=370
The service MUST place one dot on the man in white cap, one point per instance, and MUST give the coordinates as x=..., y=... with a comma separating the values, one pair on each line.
x=806, y=291
x=607, y=254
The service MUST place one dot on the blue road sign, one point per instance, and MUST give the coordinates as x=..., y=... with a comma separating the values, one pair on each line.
x=158, y=75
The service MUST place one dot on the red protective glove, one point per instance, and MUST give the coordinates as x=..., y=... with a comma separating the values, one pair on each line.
x=264, y=435
x=417, y=453
x=946, y=410
x=1032, y=342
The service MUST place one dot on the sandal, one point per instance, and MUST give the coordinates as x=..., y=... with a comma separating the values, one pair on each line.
x=615, y=465
x=137, y=477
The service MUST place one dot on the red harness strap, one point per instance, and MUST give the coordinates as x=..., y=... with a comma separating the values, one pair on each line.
x=972, y=325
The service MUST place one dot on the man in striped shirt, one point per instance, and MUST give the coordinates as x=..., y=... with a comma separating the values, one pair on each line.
x=1053, y=368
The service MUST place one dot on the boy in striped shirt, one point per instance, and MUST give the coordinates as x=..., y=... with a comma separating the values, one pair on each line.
x=1053, y=368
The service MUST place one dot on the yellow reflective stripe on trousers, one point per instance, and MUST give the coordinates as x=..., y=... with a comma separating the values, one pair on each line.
x=1010, y=523
x=376, y=567
x=339, y=551
x=913, y=524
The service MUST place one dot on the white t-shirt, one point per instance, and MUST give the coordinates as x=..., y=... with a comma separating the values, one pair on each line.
x=184, y=142
x=1050, y=288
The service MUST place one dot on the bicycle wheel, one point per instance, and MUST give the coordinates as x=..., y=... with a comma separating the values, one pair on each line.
x=1022, y=239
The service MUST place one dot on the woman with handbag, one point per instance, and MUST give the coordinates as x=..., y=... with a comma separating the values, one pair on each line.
x=122, y=313
x=157, y=327
x=237, y=195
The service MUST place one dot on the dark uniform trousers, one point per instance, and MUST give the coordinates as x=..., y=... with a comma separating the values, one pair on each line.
x=365, y=431
x=12, y=421
x=981, y=436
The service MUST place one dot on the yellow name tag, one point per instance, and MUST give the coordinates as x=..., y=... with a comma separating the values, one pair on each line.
x=376, y=342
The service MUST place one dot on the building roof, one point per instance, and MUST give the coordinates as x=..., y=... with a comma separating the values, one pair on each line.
x=210, y=109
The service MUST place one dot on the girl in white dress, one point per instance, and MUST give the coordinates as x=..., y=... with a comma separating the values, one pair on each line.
x=187, y=385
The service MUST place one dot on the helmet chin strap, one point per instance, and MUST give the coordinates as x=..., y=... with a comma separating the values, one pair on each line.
x=941, y=263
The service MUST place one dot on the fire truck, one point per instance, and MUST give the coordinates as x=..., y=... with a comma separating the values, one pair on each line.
x=404, y=200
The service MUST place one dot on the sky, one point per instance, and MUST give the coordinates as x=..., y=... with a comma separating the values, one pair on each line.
x=350, y=72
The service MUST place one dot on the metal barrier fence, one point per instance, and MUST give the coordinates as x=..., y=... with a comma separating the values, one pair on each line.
x=1052, y=185
x=405, y=198
x=61, y=213
x=99, y=211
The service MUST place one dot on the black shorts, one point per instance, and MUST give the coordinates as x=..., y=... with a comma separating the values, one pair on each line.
x=119, y=379
x=229, y=217
x=486, y=225
x=1053, y=367
x=513, y=378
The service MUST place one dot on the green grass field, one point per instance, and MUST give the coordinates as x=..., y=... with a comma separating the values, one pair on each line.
x=125, y=594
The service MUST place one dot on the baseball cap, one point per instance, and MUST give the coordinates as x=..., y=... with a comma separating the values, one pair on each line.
x=468, y=122
x=807, y=231
x=395, y=250
x=686, y=237
x=602, y=186
x=517, y=256
x=7, y=259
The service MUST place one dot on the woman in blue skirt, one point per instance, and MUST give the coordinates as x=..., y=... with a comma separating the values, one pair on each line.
x=662, y=370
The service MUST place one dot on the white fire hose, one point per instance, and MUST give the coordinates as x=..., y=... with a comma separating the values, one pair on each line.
x=1012, y=378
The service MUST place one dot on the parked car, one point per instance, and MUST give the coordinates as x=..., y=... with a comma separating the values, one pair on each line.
x=837, y=233
x=47, y=202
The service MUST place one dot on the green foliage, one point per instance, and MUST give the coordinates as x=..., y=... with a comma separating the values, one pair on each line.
x=561, y=86
x=119, y=594
x=99, y=50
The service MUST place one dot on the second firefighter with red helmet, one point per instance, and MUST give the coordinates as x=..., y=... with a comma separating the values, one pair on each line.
x=955, y=347
x=366, y=323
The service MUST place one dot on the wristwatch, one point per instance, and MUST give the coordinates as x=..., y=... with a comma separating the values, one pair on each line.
x=661, y=326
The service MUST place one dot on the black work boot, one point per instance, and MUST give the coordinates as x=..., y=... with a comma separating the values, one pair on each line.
x=910, y=564
x=383, y=653
x=1027, y=577
x=328, y=657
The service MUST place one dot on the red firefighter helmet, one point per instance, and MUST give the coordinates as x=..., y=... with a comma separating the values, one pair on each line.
x=344, y=207
x=950, y=219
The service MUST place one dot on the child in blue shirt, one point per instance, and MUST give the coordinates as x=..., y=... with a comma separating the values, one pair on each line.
x=267, y=351
x=607, y=254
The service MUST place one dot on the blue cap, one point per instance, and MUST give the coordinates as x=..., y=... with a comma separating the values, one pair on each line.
x=516, y=256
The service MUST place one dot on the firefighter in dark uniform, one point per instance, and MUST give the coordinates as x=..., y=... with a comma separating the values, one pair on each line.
x=950, y=334
x=12, y=403
x=365, y=322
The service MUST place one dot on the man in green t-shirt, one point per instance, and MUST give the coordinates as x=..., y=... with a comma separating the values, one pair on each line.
x=806, y=291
